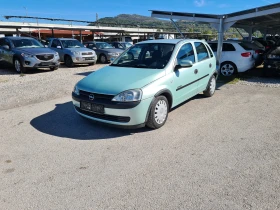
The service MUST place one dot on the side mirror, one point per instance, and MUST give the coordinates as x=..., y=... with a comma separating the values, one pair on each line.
x=6, y=47
x=183, y=64
x=46, y=46
x=58, y=47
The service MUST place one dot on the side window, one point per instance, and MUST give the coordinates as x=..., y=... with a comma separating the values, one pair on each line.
x=54, y=43
x=120, y=46
x=210, y=51
x=186, y=53
x=213, y=46
x=228, y=47
x=2, y=42
x=201, y=51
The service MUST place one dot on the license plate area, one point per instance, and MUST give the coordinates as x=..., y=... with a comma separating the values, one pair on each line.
x=46, y=64
x=89, y=58
x=96, y=108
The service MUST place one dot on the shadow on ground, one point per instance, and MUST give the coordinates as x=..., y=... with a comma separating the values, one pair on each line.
x=63, y=121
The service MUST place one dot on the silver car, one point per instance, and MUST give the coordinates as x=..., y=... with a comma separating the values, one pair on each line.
x=72, y=52
x=105, y=52
x=25, y=53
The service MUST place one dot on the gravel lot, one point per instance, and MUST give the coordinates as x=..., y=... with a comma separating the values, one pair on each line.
x=218, y=153
x=39, y=85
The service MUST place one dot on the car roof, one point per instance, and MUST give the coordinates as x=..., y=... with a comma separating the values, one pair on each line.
x=63, y=38
x=17, y=37
x=168, y=41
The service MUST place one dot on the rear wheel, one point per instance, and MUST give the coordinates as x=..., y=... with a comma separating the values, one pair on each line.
x=68, y=61
x=211, y=87
x=158, y=113
x=18, y=66
x=228, y=69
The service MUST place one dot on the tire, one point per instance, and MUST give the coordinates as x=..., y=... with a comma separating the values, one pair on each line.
x=103, y=59
x=158, y=113
x=53, y=68
x=68, y=61
x=18, y=66
x=228, y=69
x=211, y=87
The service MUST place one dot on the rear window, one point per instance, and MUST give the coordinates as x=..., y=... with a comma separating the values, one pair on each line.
x=245, y=46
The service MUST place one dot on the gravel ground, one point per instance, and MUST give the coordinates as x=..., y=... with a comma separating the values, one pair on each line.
x=39, y=85
x=42, y=85
x=260, y=81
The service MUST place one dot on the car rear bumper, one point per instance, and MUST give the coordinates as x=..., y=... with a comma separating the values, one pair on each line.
x=245, y=66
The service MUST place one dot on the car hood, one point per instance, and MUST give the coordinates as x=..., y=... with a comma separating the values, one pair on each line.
x=113, y=80
x=35, y=50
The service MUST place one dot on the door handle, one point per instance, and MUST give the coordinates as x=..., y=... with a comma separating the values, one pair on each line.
x=195, y=71
x=210, y=65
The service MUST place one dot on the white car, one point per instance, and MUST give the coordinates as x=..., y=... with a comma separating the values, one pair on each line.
x=234, y=57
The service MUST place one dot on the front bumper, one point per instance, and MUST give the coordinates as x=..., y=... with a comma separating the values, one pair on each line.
x=127, y=114
x=33, y=62
x=84, y=59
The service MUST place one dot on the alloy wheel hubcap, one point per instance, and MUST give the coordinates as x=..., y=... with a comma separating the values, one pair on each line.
x=17, y=66
x=227, y=70
x=160, y=111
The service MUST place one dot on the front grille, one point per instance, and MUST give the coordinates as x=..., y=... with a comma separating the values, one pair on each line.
x=104, y=116
x=45, y=57
x=87, y=53
x=85, y=95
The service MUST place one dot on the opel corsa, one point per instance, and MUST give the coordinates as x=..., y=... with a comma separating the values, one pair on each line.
x=139, y=90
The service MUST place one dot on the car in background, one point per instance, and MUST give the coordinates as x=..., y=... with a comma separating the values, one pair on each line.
x=121, y=45
x=105, y=52
x=234, y=58
x=258, y=49
x=72, y=52
x=268, y=44
x=26, y=53
x=137, y=92
x=272, y=62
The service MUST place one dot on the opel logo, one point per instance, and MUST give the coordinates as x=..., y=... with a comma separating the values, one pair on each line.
x=91, y=97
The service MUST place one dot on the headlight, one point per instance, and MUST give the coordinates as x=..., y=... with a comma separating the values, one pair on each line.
x=76, y=90
x=128, y=96
x=26, y=55
x=114, y=54
x=75, y=53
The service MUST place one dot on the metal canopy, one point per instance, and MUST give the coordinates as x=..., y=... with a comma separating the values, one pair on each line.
x=266, y=19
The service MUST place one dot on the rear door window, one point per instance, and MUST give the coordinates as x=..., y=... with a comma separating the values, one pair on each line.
x=245, y=46
x=213, y=46
x=201, y=51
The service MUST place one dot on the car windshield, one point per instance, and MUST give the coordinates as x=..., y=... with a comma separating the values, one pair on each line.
x=26, y=43
x=127, y=45
x=103, y=45
x=71, y=44
x=151, y=55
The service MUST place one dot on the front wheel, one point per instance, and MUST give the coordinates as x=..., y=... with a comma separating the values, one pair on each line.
x=158, y=113
x=18, y=66
x=69, y=61
x=103, y=59
x=211, y=87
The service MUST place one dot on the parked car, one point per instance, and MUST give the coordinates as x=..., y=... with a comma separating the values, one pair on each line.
x=234, y=57
x=268, y=44
x=272, y=62
x=137, y=92
x=72, y=52
x=258, y=50
x=25, y=53
x=105, y=52
x=121, y=45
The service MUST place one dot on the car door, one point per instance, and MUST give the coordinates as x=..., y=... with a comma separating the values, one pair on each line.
x=2, y=43
x=56, y=46
x=204, y=65
x=185, y=78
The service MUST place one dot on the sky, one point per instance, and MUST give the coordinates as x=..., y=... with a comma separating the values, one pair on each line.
x=87, y=9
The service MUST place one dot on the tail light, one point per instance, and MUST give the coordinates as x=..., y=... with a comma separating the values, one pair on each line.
x=246, y=54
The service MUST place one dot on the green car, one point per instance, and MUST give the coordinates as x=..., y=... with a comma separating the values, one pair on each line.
x=136, y=91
